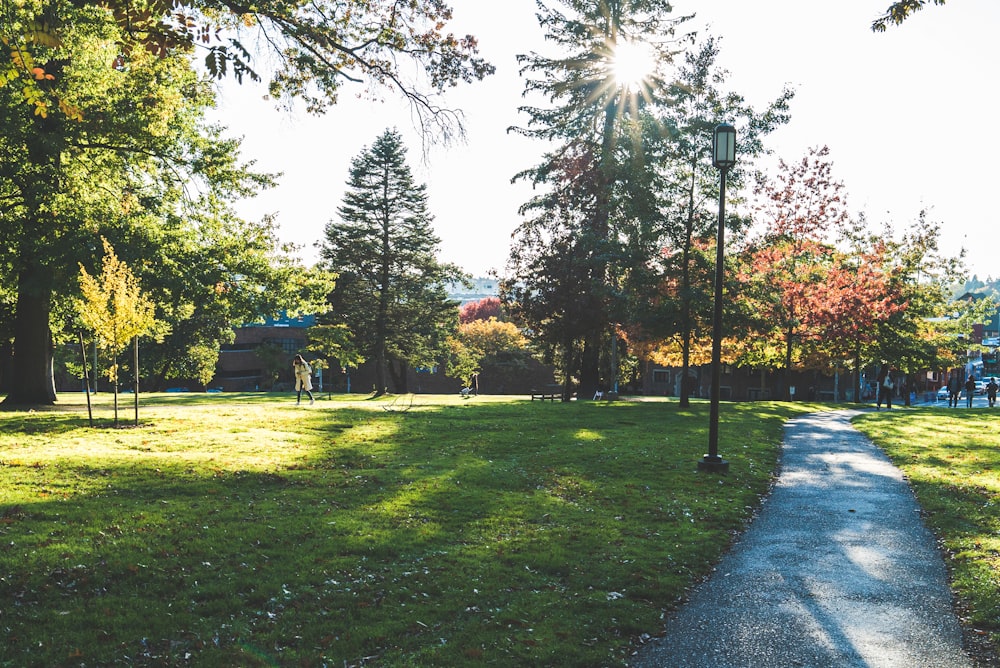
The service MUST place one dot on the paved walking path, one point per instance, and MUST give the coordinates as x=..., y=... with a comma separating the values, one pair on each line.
x=838, y=570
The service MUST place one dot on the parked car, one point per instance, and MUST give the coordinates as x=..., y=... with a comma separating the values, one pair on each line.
x=980, y=387
x=942, y=393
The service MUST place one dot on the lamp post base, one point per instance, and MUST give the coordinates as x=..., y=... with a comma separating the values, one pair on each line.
x=713, y=464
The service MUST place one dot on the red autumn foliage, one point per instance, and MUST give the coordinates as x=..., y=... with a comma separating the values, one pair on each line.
x=484, y=309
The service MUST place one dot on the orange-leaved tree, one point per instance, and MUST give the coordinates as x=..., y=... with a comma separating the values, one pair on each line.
x=784, y=270
x=482, y=343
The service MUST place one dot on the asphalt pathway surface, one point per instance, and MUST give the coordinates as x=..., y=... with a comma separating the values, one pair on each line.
x=837, y=570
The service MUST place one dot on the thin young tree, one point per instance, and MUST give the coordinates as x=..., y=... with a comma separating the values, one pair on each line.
x=391, y=289
x=114, y=307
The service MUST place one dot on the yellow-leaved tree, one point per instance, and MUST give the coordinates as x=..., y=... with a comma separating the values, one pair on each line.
x=114, y=308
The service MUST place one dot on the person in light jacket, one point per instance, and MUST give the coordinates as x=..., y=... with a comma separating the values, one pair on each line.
x=303, y=379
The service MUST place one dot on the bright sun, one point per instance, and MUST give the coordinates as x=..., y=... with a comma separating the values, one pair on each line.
x=633, y=63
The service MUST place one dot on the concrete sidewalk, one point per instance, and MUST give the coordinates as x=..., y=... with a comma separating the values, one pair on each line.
x=838, y=570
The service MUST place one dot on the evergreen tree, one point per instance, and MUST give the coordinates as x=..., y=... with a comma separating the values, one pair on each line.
x=570, y=255
x=391, y=289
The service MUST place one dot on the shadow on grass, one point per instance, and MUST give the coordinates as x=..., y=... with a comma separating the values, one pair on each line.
x=531, y=536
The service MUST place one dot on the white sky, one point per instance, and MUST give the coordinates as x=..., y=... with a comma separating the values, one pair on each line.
x=909, y=116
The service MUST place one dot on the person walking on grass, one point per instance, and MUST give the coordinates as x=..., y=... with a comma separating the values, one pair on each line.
x=991, y=391
x=970, y=389
x=303, y=379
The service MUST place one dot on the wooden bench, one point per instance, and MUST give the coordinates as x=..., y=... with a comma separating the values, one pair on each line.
x=550, y=392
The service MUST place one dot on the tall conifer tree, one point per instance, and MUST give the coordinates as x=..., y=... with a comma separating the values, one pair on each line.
x=568, y=257
x=391, y=291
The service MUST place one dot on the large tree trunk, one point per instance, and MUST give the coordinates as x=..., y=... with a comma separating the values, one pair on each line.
x=33, y=381
x=590, y=360
x=399, y=371
x=590, y=367
x=567, y=368
x=6, y=366
x=379, y=364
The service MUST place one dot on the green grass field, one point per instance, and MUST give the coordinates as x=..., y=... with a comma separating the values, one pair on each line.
x=952, y=460
x=240, y=530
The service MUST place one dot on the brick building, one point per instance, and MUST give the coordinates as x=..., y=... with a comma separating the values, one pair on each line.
x=241, y=370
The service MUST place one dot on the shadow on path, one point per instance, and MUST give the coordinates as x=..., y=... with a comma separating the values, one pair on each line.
x=838, y=570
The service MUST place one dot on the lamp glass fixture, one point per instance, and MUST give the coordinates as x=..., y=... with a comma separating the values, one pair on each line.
x=724, y=146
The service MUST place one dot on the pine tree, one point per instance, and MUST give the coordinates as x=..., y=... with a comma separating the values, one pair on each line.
x=391, y=288
x=570, y=255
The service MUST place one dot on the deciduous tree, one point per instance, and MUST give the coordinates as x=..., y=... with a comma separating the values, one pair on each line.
x=899, y=12
x=800, y=208
x=115, y=309
x=915, y=325
x=489, y=345
x=143, y=169
x=672, y=288
x=482, y=309
x=316, y=47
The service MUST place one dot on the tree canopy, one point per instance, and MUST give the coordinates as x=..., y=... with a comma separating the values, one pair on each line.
x=671, y=283
x=899, y=12
x=311, y=49
x=142, y=168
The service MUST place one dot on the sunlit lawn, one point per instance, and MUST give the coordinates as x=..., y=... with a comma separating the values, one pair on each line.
x=952, y=459
x=240, y=530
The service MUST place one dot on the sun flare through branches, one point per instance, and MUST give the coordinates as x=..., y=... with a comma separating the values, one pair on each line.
x=633, y=63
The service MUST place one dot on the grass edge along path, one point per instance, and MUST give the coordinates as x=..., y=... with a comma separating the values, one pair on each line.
x=243, y=531
x=951, y=458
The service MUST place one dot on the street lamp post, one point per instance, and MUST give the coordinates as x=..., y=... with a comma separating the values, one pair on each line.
x=723, y=157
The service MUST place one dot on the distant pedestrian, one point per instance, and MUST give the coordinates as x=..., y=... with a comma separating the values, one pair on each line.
x=970, y=389
x=954, y=389
x=885, y=388
x=303, y=379
x=991, y=391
